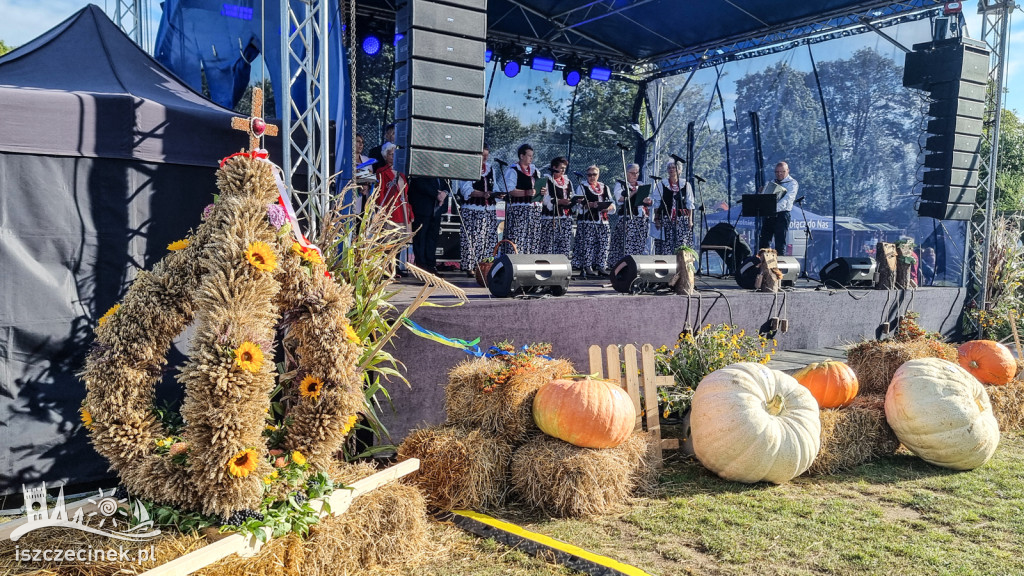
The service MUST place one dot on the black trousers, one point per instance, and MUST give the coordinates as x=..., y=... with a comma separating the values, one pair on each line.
x=427, y=224
x=774, y=226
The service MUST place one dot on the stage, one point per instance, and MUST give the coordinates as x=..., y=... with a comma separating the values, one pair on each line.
x=592, y=313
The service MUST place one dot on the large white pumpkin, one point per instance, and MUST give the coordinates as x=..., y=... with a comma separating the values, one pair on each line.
x=750, y=424
x=942, y=413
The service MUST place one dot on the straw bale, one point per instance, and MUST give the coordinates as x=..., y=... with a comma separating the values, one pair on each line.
x=853, y=435
x=1008, y=405
x=505, y=410
x=459, y=468
x=568, y=481
x=382, y=527
x=875, y=362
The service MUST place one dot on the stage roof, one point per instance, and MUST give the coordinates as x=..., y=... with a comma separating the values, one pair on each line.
x=663, y=37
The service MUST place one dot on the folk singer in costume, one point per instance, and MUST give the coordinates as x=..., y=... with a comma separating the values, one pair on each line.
x=393, y=192
x=555, y=220
x=590, y=251
x=633, y=228
x=673, y=211
x=522, y=214
x=479, y=220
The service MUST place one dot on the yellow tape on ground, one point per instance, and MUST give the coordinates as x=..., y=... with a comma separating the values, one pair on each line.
x=552, y=543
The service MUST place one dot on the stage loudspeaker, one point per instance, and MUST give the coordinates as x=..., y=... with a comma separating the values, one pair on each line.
x=636, y=273
x=954, y=72
x=746, y=274
x=515, y=273
x=790, y=268
x=849, y=272
x=439, y=79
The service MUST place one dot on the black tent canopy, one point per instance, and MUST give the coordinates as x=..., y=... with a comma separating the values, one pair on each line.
x=105, y=158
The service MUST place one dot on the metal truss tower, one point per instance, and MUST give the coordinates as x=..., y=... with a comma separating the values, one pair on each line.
x=304, y=104
x=995, y=32
x=132, y=17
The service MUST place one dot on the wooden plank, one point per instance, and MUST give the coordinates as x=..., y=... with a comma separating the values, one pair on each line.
x=663, y=381
x=612, y=356
x=633, y=383
x=248, y=545
x=595, y=361
x=651, y=401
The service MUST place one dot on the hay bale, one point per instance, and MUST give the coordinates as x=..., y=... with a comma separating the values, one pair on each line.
x=459, y=468
x=505, y=410
x=853, y=435
x=875, y=362
x=382, y=527
x=1008, y=405
x=568, y=481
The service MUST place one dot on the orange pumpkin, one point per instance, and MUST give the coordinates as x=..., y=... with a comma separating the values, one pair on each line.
x=832, y=383
x=585, y=412
x=988, y=361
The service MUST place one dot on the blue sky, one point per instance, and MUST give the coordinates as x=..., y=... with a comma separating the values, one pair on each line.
x=22, y=20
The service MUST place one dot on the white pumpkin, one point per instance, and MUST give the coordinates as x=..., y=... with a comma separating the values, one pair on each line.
x=751, y=424
x=941, y=412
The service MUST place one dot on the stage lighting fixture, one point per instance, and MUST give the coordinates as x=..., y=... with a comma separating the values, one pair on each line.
x=600, y=73
x=371, y=45
x=572, y=76
x=398, y=37
x=543, y=63
x=488, y=55
x=511, y=68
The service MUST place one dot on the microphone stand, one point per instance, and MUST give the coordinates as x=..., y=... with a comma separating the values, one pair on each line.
x=661, y=209
x=808, y=238
x=703, y=223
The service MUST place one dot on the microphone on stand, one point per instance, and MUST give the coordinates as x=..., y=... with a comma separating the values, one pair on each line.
x=798, y=200
x=500, y=162
x=677, y=159
x=698, y=178
x=656, y=178
x=623, y=182
x=622, y=146
x=580, y=175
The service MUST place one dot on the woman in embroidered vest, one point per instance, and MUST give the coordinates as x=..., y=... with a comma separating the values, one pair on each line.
x=555, y=219
x=522, y=214
x=633, y=228
x=673, y=211
x=479, y=231
x=393, y=193
x=590, y=250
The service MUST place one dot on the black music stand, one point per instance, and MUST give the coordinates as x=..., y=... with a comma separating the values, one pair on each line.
x=759, y=205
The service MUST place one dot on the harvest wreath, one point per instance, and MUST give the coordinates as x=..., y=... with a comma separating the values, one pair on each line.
x=241, y=277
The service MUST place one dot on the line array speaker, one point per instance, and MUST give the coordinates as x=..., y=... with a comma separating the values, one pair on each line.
x=954, y=72
x=439, y=77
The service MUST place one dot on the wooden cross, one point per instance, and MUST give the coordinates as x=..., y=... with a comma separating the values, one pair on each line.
x=254, y=124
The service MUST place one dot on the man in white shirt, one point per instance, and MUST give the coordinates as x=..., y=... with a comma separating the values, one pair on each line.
x=777, y=226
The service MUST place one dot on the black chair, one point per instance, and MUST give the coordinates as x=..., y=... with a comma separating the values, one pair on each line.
x=723, y=240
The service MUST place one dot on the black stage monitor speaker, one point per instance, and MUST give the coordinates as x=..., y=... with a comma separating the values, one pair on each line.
x=643, y=273
x=849, y=272
x=516, y=273
x=746, y=274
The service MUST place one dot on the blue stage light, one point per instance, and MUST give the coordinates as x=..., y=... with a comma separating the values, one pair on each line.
x=398, y=36
x=371, y=45
x=543, y=63
x=572, y=76
x=488, y=55
x=600, y=73
x=511, y=68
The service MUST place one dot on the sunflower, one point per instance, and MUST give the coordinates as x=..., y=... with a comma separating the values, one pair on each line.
x=296, y=248
x=312, y=256
x=243, y=463
x=349, y=424
x=249, y=357
x=260, y=255
x=298, y=458
x=350, y=333
x=178, y=245
x=106, y=315
x=86, y=418
x=311, y=386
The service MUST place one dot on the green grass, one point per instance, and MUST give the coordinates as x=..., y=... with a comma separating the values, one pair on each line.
x=899, y=515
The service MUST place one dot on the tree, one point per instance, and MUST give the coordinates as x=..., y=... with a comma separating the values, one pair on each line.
x=375, y=94
x=503, y=129
x=1010, y=175
x=4, y=48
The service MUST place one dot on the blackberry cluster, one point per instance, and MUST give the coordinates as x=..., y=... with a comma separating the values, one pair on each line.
x=120, y=493
x=299, y=497
x=238, y=518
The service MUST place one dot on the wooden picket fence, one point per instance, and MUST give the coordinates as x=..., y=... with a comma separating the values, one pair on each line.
x=641, y=382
